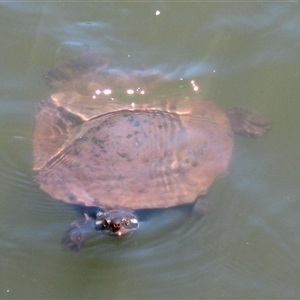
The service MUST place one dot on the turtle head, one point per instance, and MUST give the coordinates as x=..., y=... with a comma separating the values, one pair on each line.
x=117, y=222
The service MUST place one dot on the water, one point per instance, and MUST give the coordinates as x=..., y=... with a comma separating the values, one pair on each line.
x=239, y=54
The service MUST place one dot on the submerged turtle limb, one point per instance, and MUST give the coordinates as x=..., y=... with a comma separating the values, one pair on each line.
x=201, y=207
x=247, y=122
x=78, y=233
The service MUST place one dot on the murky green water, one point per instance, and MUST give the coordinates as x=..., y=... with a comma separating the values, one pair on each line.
x=240, y=54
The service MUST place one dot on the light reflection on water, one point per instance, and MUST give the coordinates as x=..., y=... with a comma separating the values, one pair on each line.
x=247, y=247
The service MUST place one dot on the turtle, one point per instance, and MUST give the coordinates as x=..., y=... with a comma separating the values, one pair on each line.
x=112, y=158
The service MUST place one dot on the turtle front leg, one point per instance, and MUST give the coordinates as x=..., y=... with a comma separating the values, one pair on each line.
x=247, y=122
x=201, y=207
x=78, y=233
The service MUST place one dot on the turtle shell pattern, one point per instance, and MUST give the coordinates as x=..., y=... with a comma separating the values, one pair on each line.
x=99, y=151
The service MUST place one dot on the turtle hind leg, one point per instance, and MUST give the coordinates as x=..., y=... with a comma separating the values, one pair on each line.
x=78, y=233
x=247, y=122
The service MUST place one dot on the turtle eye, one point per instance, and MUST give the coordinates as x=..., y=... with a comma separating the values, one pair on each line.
x=105, y=223
x=127, y=222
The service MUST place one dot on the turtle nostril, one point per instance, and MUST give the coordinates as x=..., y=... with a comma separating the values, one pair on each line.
x=117, y=226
